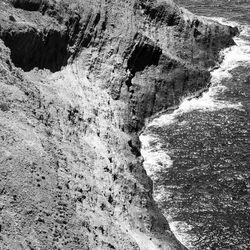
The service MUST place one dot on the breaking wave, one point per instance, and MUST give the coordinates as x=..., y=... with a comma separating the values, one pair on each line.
x=156, y=157
x=233, y=57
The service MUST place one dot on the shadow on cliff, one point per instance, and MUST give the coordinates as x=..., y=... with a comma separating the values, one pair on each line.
x=30, y=49
x=48, y=47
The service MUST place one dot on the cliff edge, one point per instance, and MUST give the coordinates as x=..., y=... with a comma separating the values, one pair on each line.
x=78, y=78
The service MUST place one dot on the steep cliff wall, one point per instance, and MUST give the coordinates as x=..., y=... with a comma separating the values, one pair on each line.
x=78, y=78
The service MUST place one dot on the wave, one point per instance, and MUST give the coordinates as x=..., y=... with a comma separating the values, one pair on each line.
x=233, y=57
x=157, y=160
x=156, y=157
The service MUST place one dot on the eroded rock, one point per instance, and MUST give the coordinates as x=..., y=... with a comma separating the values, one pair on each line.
x=71, y=170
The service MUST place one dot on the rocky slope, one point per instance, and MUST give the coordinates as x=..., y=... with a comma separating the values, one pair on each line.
x=78, y=79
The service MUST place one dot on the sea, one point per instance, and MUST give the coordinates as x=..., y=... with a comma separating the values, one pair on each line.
x=199, y=154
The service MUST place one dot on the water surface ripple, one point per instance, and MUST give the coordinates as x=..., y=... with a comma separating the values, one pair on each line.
x=199, y=156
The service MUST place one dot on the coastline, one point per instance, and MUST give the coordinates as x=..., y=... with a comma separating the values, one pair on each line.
x=228, y=64
x=75, y=135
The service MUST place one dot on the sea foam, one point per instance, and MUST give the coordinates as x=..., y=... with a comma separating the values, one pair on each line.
x=157, y=159
x=233, y=57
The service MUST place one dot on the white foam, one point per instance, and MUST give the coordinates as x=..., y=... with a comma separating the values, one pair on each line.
x=223, y=21
x=233, y=57
x=155, y=158
x=181, y=231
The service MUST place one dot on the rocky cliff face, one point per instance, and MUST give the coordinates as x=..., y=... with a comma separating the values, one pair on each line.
x=78, y=79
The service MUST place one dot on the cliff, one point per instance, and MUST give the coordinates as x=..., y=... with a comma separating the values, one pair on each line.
x=78, y=79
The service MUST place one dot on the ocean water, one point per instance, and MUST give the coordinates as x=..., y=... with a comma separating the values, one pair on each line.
x=199, y=155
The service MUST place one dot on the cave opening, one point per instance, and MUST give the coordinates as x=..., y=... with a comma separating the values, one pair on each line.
x=44, y=50
x=30, y=5
x=142, y=56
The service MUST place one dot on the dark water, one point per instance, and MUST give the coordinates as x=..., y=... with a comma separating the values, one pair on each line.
x=237, y=10
x=199, y=156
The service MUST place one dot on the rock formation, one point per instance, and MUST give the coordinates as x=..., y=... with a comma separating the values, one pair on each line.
x=78, y=78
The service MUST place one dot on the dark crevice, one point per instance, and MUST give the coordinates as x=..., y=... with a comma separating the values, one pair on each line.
x=128, y=82
x=44, y=50
x=110, y=199
x=30, y=5
x=74, y=28
x=143, y=55
x=97, y=19
x=135, y=149
x=111, y=246
x=51, y=49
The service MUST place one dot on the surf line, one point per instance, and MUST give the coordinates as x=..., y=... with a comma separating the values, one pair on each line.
x=157, y=159
x=205, y=99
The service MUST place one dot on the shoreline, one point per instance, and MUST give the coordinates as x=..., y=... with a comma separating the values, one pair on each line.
x=72, y=136
x=172, y=109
